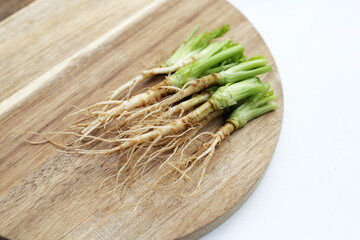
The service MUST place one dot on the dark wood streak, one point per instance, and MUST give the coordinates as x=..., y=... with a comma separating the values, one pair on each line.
x=8, y=7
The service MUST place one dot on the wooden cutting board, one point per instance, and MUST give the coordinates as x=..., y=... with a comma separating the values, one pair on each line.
x=57, y=53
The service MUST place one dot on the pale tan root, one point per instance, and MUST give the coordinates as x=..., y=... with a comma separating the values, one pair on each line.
x=187, y=105
x=147, y=74
x=96, y=105
x=140, y=126
x=110, y=136
x=194, y=87
x=134, y=163
x=173, y=128
x=129, y=85
x=122, y=181
x=127, y=179
x=159, y=117
x=189, y=89
x=94, y=125
x=173, y=143
x=190, y=170
x=207, y=155
x=149, y=154
x=178, y=168
x=129, y=171
x=154, y=94
x=141, y=113
x=166, y=180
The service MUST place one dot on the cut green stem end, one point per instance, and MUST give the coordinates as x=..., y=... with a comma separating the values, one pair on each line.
x=230, y=94
x=216, y=53
x=250, y=68
x=255, y=106
x=195, y=44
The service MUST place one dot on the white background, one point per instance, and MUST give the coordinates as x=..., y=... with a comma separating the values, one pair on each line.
x=311, y=189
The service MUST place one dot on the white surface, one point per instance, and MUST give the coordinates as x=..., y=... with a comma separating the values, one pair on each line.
x=311, y=189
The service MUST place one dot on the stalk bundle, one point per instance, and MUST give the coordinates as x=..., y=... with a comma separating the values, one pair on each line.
x=157, y=130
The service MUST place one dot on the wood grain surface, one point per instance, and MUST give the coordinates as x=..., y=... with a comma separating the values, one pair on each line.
x=61, y=53
x=8, y=7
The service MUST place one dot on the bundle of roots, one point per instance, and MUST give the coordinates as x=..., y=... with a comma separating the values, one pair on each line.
x=158, y=135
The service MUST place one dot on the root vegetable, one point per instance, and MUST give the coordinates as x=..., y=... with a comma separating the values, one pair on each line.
x=224, y=97
x=255, y=106
x=216, y=53
x=190, y=51
x=250, y=68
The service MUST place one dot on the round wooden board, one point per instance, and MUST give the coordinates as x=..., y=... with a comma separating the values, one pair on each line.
x=81, y=52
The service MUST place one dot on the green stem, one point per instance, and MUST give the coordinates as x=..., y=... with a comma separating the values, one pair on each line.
x=230, y=94
x=255, y=106
x=245, y=70
x=219, y=57
x=195, y=44
x=219, y=69
x=219, y=52
x=192, y=34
